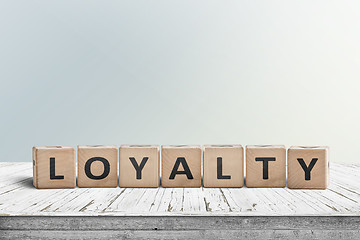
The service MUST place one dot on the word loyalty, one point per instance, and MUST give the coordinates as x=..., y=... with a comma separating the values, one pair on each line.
x=181, y=166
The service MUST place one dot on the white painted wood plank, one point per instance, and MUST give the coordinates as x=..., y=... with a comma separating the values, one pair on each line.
x=214, y=200
x=171, y=201
x=145, y=202
x=193, y=200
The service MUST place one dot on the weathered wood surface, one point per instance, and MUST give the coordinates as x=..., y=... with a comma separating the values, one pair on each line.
x=18, y=197
x=176, y=213
x=180, y=227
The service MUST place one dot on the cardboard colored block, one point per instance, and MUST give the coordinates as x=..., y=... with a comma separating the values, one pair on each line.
x=139, y=166
x=308, y=167
x=223, y=166
x=97, y=166
x=181, y=166
x=54, y=167
x=265, y=166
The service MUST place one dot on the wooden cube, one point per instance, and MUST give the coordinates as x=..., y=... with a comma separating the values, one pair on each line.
x=97, y=166
x=139, y=166
x=223, y=166
x=54, y=167
x=265, y=166
x=181, y=166
x=308, y=167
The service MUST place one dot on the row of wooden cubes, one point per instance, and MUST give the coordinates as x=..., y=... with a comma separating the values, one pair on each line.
x=223, y=166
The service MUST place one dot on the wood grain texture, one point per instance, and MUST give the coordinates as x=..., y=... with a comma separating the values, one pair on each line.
x=97, y=168
x=232, y=166
x=150, y=175
x=181, y=227
x=169, y=156
x=186, y=234
x=63, y=167
x=318, y=177
x=276, y=174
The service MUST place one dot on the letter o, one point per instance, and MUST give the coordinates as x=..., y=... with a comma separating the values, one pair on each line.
x=106, y=168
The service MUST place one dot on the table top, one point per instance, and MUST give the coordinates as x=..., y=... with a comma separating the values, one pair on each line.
x=18, y=197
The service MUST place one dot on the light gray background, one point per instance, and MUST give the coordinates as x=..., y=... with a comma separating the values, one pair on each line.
x=172, y=72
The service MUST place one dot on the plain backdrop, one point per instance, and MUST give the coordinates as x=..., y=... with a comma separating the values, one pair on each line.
x=179, y=72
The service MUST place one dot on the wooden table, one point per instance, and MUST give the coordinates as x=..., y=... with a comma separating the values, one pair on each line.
x=265, y=213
